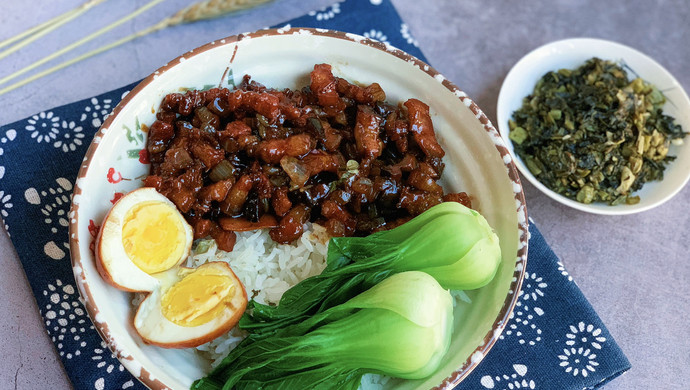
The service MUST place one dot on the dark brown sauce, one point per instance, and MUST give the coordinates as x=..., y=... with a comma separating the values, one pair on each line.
x=333, y=153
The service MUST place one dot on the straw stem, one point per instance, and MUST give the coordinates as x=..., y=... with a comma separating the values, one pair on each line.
x=36, y=29
x=201, y=10
x=44, y=28
x=82, y=57
x=81, y=41
x=210, y=9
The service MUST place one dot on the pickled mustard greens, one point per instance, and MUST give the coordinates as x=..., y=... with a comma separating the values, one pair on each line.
x=592, y=135
x=450, y=242
x=400, y=327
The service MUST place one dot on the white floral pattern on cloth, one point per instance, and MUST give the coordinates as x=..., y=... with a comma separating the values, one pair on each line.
x=107, y=362
x=48, y=127
x=44, y=126
x=377, y=35
x=97, y=111
x=65, y=319
x=523, y=325
x=578, y=361
x=532, y=287
x=71, y=138
x=586, y=335
x=100, y=384
x=563, y=271
x=54, y=202
x=405, y=32
x=5, y=204
x=10, y=135
x=99, y=357
x=515, y=380
x=326, y=13
x=69, y=328
x=578, y=356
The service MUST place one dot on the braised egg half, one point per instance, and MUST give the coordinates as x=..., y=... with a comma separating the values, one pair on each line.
x=193, y=306
x=142, y=243
x=142, y=235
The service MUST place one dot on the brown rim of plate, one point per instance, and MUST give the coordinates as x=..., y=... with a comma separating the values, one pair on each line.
x=489, y=340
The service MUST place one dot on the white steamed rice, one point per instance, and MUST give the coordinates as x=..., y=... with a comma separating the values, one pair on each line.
x=267, y=269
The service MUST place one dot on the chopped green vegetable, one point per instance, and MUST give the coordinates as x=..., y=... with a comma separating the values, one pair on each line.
x=400, y=327
x=592, y=135
x=203, y=245
x=518, y=135
x=451, y=242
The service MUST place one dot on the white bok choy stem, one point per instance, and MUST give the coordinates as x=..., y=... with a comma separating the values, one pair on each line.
x=400, y=327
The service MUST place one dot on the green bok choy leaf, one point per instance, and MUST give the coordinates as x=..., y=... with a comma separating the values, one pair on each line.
x=400, y=327
x=450, y=242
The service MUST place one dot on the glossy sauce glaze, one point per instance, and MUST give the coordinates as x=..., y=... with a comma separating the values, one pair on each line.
x=333, y=153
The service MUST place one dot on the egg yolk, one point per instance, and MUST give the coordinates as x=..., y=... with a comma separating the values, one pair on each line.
x=198, y=298
x=153, y=236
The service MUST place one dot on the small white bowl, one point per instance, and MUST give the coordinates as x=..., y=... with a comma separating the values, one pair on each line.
x=570, y=54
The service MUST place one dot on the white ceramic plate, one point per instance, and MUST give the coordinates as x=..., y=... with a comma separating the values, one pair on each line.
x=476, y=162
x=570, y=54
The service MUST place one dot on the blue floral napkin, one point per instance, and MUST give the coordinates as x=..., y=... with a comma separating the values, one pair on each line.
x=555, y=340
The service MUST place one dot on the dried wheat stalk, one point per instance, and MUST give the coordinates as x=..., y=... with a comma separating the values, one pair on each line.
x=210, y=9
x=201, y=10
x=78, y=43
x=44, y=28
x=33, y=30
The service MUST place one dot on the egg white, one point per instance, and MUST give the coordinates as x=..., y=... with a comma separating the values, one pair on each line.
x=154, y=328
x=113, y=263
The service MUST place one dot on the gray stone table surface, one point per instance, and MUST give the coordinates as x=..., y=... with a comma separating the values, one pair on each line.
x=633, y=269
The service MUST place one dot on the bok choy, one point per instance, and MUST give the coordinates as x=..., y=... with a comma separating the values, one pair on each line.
x=400, y=327
x=450, y=242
